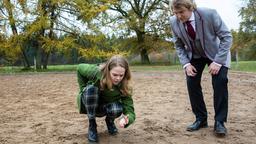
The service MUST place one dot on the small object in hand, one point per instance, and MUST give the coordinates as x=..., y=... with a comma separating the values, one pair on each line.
x=123, y=120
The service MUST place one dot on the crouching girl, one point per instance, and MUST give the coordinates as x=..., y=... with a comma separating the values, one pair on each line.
x=104, y=91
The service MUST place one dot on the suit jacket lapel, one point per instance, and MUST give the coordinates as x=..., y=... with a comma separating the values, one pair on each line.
x=184, y=34
x=199, y=28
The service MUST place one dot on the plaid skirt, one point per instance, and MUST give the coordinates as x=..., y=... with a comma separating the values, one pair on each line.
x=90, y=100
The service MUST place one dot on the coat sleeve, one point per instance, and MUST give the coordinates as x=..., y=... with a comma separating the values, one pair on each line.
x=178, y=44
x=86, y=73
x=128, y=109
x=225, y=37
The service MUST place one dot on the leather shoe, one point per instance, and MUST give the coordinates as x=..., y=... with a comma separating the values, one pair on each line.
x=92, y=131
x=219, y=129
x=111, y=126
x=197, y=125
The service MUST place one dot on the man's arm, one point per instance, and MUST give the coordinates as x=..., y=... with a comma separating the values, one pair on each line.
x=179, y=45
x=224, y=34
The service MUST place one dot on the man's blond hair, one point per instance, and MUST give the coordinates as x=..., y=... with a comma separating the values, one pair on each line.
x=177, y=4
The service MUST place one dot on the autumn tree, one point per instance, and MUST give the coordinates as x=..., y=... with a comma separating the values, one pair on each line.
x=10, y=18
x=146, y=19
x=56, y=18
x=43, y=22
x=245, y=40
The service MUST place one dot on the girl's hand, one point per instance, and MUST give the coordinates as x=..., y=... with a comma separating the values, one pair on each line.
x=123, y=120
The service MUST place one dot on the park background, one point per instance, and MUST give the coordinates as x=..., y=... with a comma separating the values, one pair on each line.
x=38, y=33
x=42, y=41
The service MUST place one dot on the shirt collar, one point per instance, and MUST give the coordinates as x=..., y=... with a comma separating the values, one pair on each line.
x=192, y=18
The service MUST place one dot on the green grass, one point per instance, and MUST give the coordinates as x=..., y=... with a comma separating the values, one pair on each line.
x=246, y=66
x=50, y=68
x=156, y=68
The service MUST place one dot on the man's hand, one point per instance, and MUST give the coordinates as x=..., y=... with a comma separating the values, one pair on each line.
x=190, y=70
x=214, y=68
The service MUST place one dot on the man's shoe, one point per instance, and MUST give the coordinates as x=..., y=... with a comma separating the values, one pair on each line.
x=111, y=126
x=92, y=131
x=197, y=125
x=219, y=129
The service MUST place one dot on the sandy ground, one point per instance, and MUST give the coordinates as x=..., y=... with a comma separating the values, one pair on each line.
x=41, y=109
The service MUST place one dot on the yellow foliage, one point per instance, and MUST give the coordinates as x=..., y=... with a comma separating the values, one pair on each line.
x=61, y=45
x=12, y=47
x=39, y=24
x=89, y=10
x=94, y=52
x=23, y=4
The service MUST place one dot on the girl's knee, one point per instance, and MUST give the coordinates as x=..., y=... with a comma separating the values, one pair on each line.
x=90, y=90
x=114, y=110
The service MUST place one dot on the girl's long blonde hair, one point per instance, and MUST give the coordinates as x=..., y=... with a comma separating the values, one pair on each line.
x=106, y=82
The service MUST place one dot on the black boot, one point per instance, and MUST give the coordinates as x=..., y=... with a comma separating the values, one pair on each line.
x=111, y=126
x=92, y=131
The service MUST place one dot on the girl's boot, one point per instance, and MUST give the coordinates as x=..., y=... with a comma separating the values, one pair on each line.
x=92, y=131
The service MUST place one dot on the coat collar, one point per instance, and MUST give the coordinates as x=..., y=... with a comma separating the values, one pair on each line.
x=199, y=29
x=184, y=34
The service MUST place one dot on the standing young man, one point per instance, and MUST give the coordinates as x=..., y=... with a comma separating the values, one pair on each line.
x=201, y=38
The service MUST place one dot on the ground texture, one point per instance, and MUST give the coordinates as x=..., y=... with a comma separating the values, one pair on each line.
x=41, y=109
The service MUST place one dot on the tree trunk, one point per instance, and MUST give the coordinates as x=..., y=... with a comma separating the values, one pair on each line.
x=25, y=61
x=236, y=56
x=45, y=57
x=144, y=57
x=143, y=51
x=35, y=63
x=15, y=33
x=38, y=58
x=175, y=57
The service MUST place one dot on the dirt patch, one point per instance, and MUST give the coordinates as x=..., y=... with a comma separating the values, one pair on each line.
x=41, y=108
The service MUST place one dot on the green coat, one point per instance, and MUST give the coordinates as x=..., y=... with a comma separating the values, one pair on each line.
x=90, y=74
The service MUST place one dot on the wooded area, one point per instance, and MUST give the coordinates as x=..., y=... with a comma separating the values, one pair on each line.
x=42, y=32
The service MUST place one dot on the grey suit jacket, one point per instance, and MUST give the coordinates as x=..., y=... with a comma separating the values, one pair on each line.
x=214, y=36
